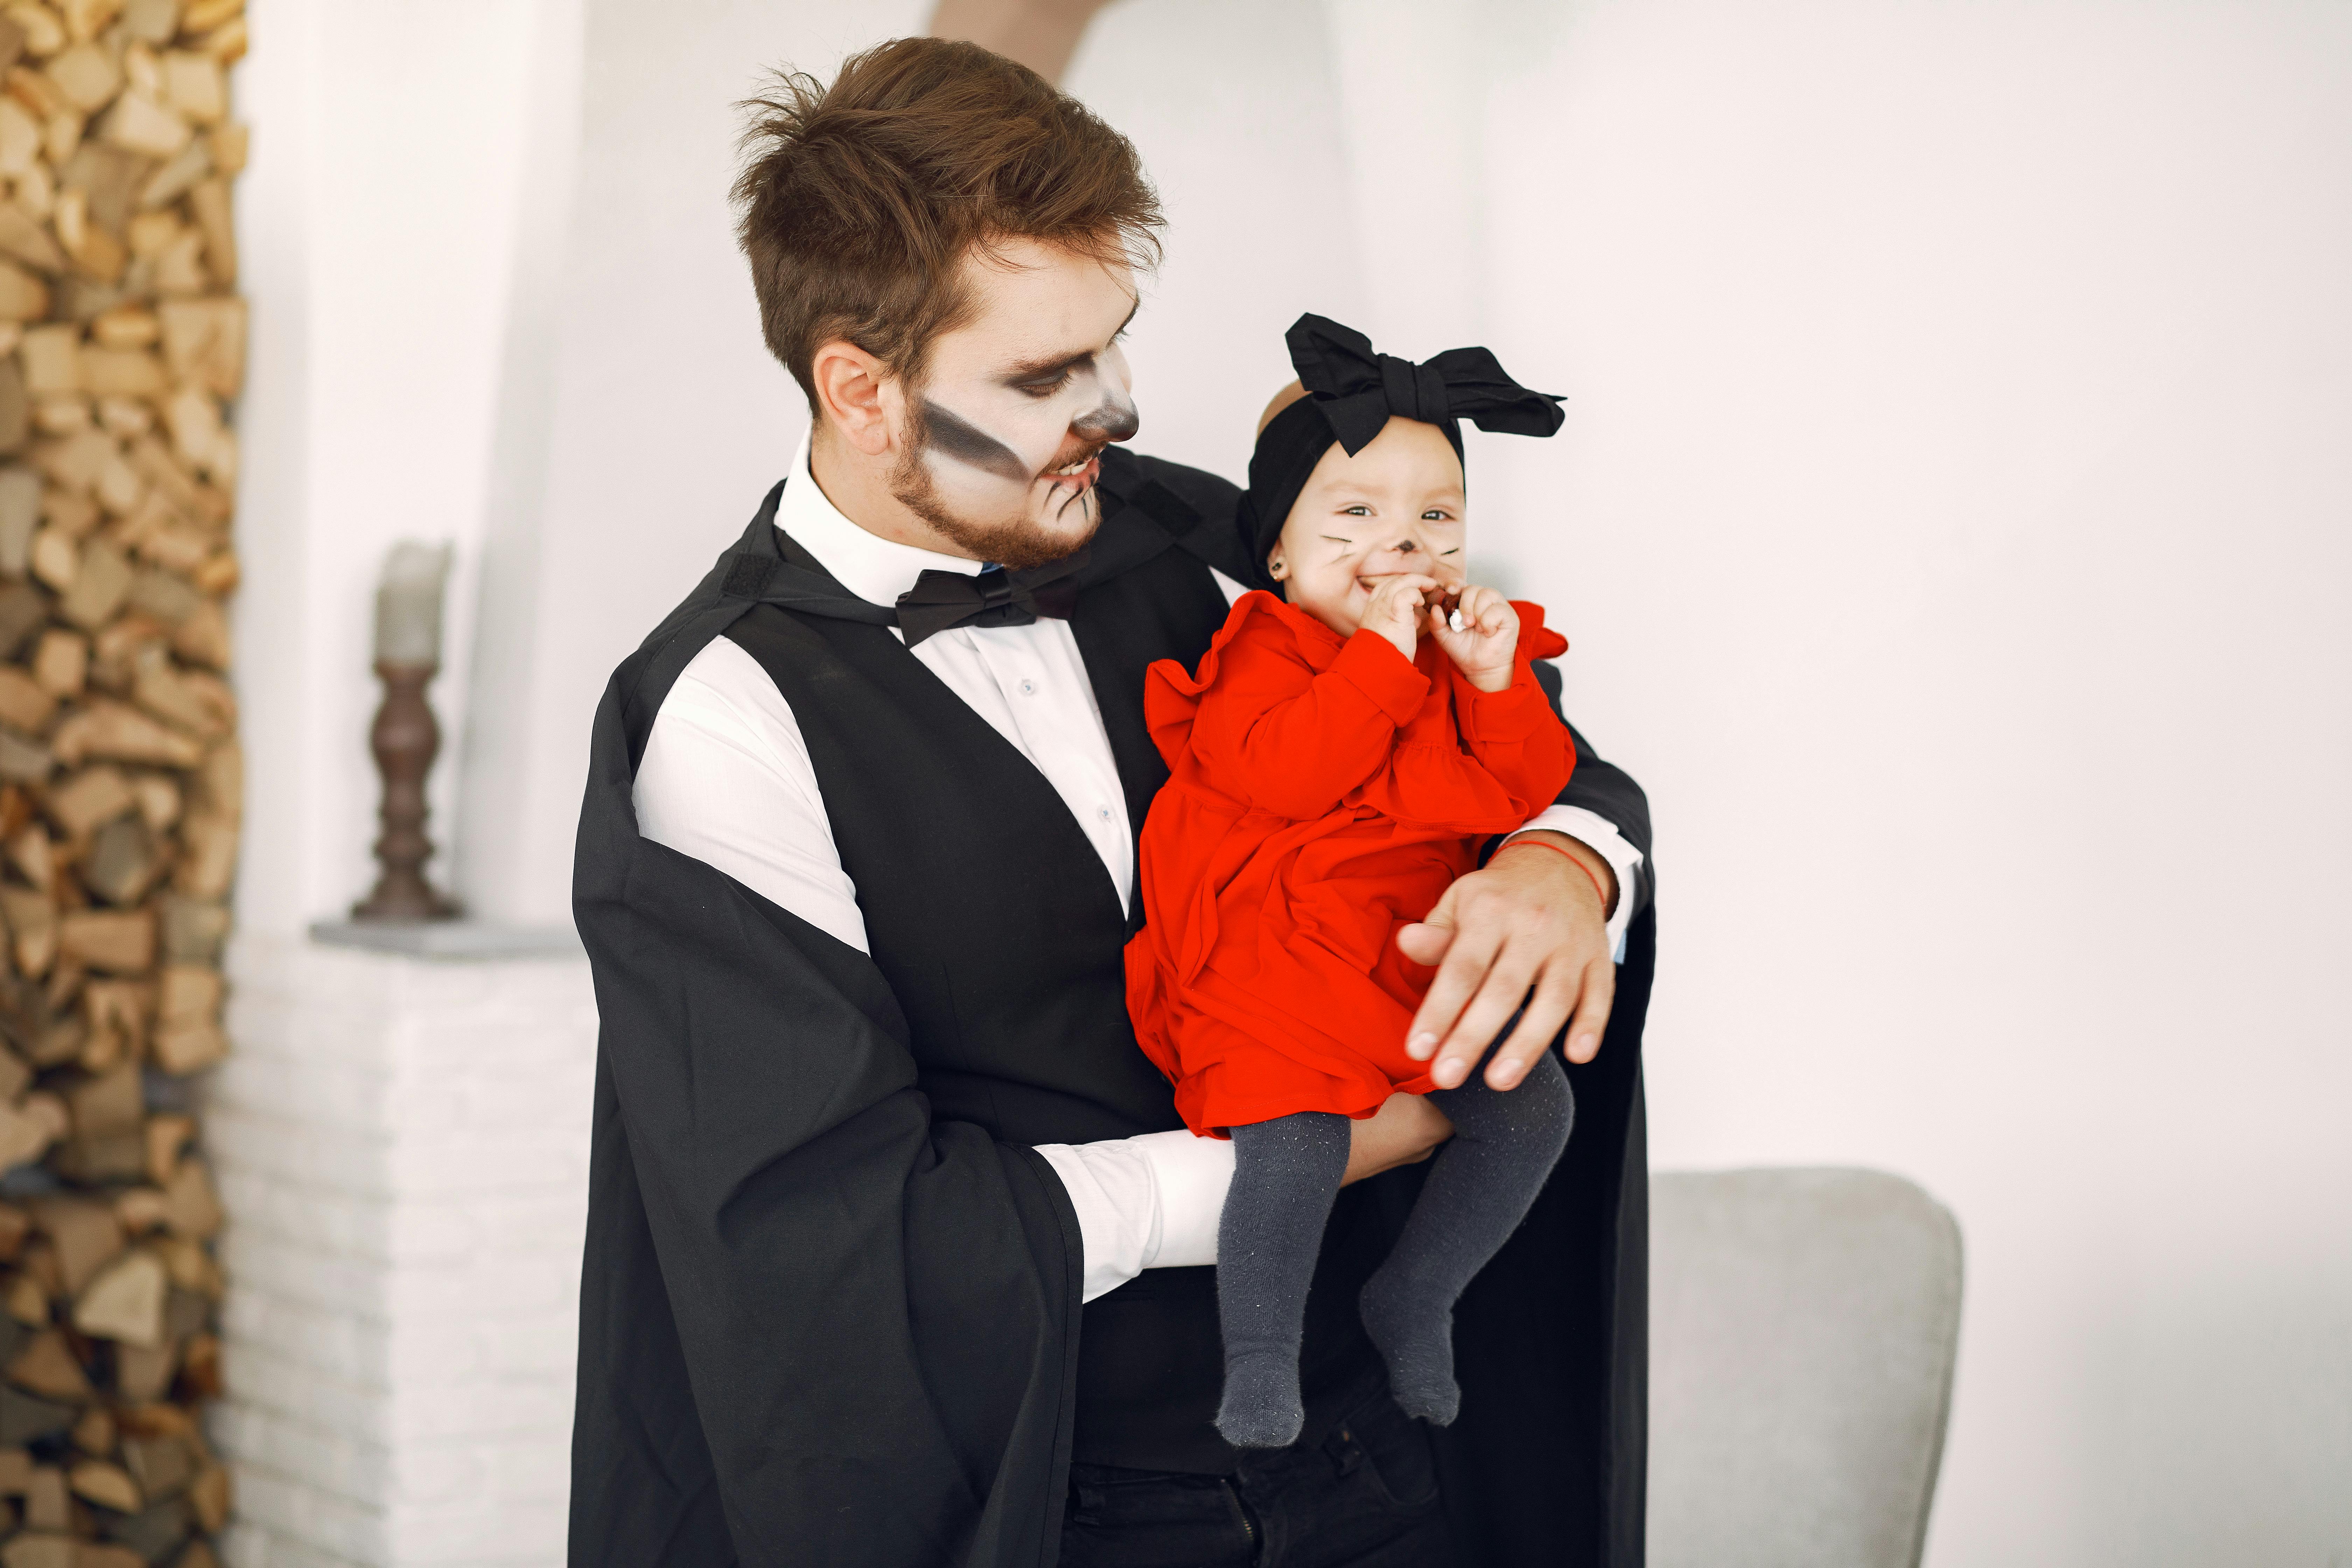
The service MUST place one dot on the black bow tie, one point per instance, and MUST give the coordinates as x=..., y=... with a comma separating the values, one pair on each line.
x=941, y=601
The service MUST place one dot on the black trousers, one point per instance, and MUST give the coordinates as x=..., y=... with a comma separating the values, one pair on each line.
x=1365, y=1496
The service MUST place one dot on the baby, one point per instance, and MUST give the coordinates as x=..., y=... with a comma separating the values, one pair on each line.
x=1337, y=760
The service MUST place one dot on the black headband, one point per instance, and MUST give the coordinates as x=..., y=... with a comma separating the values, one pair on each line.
x=1352, y=392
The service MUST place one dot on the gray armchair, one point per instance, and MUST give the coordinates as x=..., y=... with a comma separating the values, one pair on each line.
x=1802, y=1326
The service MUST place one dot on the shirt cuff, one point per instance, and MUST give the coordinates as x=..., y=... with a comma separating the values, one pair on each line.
x=1598, y=834
x=1191, y=1174
x=1148, y=1202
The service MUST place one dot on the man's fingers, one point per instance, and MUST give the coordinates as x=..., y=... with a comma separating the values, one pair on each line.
x=1504, y=987
x=1468, y=958
x=1548, y=1009
x=1598, y=995
x=1426, y=942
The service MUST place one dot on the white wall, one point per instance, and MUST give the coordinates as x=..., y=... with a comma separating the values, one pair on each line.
x=1948, y=521
x=379, y=225
x=670, y=420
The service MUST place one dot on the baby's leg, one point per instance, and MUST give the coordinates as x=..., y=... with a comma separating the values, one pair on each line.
x=1285, y=1173
x=1480, y=1187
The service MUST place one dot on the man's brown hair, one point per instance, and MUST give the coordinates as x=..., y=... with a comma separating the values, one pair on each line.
x=860, y=200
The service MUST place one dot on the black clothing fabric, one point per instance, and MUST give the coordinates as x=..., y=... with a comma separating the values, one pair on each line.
x=829, y=1306
x=1352, y=392
x=1364, y=1496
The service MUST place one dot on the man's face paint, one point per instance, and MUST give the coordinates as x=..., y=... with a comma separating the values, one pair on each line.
x=1002, y=453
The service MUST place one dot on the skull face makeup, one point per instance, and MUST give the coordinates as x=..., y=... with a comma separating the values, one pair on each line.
x=998, y=445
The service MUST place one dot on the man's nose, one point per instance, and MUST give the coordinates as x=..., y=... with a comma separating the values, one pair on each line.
x=1113, y=419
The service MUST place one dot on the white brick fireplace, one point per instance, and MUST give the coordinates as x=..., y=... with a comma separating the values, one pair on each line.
x=402, y=1143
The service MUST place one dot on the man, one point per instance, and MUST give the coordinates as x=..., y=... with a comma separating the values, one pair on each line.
x=897, y=1252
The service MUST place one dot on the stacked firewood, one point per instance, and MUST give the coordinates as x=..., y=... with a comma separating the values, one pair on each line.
x=122, y=347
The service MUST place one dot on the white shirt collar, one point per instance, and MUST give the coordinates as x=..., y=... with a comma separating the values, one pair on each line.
x=876, y=569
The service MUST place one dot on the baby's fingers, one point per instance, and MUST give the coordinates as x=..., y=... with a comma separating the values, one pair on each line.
x=1488, y=610
x=1406, y=590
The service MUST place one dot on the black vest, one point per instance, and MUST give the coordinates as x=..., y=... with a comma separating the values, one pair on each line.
x=991, y=914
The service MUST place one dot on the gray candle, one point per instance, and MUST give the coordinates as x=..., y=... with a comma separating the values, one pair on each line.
x=408, y=604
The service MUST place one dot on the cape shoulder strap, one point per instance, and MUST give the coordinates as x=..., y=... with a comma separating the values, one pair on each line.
x=753, y=571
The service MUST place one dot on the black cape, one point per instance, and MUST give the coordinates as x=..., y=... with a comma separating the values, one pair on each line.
x=820, y=1325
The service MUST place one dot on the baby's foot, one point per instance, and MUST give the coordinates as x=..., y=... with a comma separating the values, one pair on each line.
x=1262, y=1408
x=1415, y=1337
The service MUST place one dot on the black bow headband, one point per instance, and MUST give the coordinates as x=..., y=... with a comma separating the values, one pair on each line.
x=1353, y=393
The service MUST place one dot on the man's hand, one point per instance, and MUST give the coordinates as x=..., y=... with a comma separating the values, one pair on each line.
x=1529, y=918
x=1405, y=1130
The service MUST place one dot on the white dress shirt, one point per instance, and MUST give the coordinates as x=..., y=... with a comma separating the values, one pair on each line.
x=726, y=778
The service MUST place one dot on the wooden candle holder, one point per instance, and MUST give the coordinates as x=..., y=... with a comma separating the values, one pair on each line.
x=405, y=739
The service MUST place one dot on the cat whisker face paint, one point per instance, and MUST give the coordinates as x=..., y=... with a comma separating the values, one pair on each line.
x=1001, y=445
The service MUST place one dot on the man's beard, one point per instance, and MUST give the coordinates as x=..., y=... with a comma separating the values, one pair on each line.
x=1016, y=542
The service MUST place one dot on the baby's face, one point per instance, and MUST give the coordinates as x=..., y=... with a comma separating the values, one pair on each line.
x=1395, y=507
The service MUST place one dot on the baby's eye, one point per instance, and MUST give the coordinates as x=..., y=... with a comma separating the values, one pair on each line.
x=1437, y=514
x=1358, y=510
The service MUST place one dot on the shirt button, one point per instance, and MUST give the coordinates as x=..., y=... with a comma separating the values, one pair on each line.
x=1028, y=688
x=1103, y=812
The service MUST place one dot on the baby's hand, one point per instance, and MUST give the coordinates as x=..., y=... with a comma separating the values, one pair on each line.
x=1488, y=639
x=1395, y=609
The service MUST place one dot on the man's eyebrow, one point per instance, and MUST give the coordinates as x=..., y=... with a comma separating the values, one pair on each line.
x=1040, y=369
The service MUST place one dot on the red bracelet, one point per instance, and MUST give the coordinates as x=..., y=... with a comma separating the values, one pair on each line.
x=1572, y=859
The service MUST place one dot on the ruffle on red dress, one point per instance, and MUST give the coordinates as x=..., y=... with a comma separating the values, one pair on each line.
x=1324, y=792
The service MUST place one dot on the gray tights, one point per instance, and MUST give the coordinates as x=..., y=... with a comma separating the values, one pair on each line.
x=1286, y=1174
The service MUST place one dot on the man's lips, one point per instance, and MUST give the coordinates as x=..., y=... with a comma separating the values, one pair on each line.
x=1079, y=475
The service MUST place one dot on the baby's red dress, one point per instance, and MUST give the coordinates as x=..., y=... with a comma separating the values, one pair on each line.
x=1325, y=791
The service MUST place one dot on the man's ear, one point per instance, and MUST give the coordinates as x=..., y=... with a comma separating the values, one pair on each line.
x=858, y=392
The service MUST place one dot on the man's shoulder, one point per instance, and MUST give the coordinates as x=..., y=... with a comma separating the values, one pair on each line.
x=1131, y=470
x=1196, y=509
